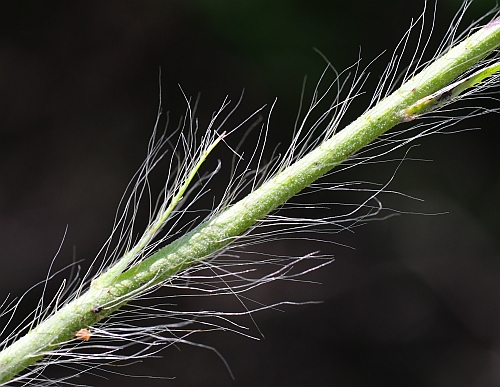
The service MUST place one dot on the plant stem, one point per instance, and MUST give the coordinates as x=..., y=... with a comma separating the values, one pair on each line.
x=216, y=233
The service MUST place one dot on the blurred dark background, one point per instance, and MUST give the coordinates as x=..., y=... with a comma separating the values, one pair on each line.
x=415, y=303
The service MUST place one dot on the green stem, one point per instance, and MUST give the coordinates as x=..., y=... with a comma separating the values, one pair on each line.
x=163, y=214
x=104, y=297
x=447, y=94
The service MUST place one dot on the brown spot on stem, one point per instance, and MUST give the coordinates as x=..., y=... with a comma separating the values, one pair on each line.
x=83, y=334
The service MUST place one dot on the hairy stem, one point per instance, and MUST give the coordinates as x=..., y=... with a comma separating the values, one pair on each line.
x=106, y=296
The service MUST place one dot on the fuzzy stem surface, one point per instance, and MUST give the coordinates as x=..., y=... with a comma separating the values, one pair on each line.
x=216, y=233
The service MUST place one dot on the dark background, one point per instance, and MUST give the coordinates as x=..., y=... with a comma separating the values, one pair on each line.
x=416, y=303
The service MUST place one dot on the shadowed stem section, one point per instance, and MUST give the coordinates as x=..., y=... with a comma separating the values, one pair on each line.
x=206, y=240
